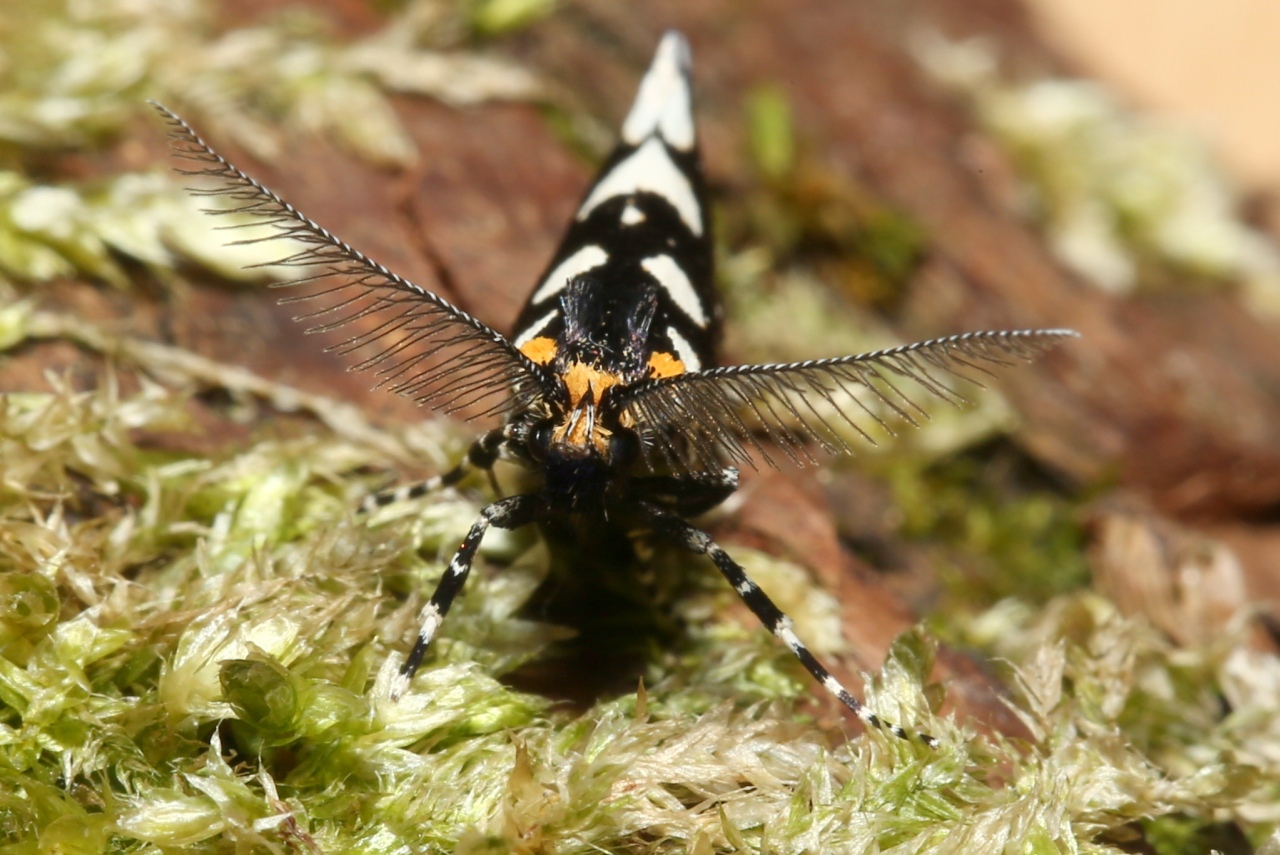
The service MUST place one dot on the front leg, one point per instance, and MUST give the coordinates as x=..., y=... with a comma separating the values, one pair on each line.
x=770, y=615
x=482, y=454
x=508, y=513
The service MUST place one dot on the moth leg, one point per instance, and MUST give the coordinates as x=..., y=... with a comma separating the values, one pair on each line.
x=770, y=615
x=416, y=490
x=482, y=454
x=511, y=512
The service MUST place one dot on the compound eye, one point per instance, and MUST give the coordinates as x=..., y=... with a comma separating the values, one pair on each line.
x=624, y=447
x=540, y=438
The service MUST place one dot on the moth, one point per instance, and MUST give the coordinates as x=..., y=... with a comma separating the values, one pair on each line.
x=608, y=390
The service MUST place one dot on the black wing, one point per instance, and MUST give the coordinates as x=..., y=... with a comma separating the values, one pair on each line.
x=416, y=343
x=729, y=412
x=642, y=230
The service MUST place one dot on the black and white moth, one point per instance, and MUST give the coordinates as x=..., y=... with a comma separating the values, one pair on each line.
x=608, y=390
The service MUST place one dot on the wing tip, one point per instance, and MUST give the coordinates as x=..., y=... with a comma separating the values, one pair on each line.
x=664, y=103
x=674, y=48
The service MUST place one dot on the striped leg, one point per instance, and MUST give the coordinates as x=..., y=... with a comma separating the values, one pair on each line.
x=405, y=492
x=511, y=512
x=770, y=615
x=482, y=455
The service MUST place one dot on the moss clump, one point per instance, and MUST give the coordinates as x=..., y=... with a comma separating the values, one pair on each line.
x=77, y=73
x=196, y=654
x=75, y=76
x=498, y=17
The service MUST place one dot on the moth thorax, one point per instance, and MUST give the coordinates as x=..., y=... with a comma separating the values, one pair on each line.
x=576, y=478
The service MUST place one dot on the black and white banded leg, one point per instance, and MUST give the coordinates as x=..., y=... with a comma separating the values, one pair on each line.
x=405, y=492
x=511, y=512
x=770, y=615
x=482, y=455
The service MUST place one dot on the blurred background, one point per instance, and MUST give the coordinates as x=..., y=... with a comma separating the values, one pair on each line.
x=1211, y=67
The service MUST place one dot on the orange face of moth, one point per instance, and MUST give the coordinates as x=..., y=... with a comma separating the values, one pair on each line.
x=586, y=386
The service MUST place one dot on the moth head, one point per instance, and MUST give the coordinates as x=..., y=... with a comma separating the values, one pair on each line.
x=597, y=354
x=580, y=453
x=582, y=421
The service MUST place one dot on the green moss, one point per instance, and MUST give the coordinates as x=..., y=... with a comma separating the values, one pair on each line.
x=220, y=681
x=79, y=73
x=77, y=76
x=499, y=17
x=1003, y=532
x=1184, y=835
x=770, y=133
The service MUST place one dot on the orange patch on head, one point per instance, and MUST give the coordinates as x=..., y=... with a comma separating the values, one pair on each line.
x=586, y=386
x=585, y=381
x=541, y=349
x=664, y=365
